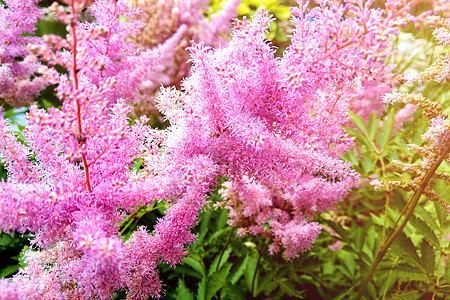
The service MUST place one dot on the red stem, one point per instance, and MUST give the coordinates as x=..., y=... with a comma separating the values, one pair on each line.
x=75, y=79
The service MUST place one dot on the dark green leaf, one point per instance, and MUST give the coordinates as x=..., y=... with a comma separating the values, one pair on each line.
x=195, y=264
x=239, y=271
x=201, y=292
x=9, y=270
x=182, y=292
x=249, y=272
x=232, y=292
x=223, y=259
x=217, y=281
x=289, y=289
x=266, y=280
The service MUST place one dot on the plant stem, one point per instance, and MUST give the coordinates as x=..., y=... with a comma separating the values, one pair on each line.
x=78, y=104
x=411, y=206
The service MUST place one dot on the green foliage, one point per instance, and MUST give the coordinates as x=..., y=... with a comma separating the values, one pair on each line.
x=12, y=248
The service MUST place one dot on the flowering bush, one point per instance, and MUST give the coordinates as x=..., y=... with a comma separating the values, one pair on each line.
x=263, y=134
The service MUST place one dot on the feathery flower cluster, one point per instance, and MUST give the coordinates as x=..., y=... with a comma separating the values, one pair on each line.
x=273, y=126
x=171, y=26
x=311, y=89
x=17, y=65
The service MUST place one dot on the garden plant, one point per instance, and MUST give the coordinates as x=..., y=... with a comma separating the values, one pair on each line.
x=195, y=149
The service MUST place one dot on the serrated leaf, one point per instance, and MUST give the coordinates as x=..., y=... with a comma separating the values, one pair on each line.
x=425, y=230
x=270, y=287
x=385, y=130
x=309, y=265
x=441, y=215
x=182, y=292
x=223, y=259
x=196, y=265
x=359, y=122
x=236, y=275
x=403, y=245
x=359, y=137
x=221, y=221
x=289, y=289
x=217, y=281
x=427, y=258
x=232, y=292
x=373, y=125
x=426, y=216
x=348, y=261
x=351, y=157
x=267, y=279
x=201, y=292
x=407, y=272
x=368, y=163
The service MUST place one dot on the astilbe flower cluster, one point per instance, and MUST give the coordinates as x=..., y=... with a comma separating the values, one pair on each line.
x=436, y=149
x=19, y=84
x=71, y=183
x=171, y=26
x=272, y=126
x=311, y=89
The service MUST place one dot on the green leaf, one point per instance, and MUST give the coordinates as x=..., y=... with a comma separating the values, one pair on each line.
x=204, y=226
x=201, y=292
x=425, y=230
x=196, y=265
x=237, y=274
x=447, y=272
x=385, y=130
x=289, y=288
x=266, y=280
x=270, y=287
x=427, y=259
x=359, y=122
x=9, y=270
x=426, y=216
x=403, y=245
x=407, y=272
x=359, y=137
x=249, y=272
x=187, y=271
x=348, y=261
x=309, y=265
x=373, y=125
x=351, y=157
x=232, y=292
x=182, y=292
x=214, y=267
x=368, y=163
x=217, y=281
x=441, y=215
